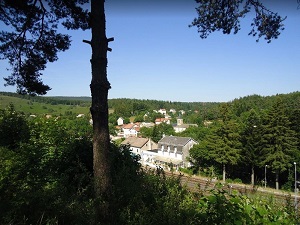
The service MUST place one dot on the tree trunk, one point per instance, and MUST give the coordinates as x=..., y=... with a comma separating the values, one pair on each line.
x=224, y=173
x=99, y=111
x=252, y=175
x=277, y=181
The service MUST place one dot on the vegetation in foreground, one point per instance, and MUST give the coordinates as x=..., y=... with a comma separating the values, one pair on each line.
x=46, y=178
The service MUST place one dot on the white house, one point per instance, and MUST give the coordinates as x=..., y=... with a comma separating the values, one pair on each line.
x=162, y=120
x=147, y=124
x=162, y=111
x=131, y=130
x=120, y=121
x=172, y=111
x=175, y=150
x=144, y=147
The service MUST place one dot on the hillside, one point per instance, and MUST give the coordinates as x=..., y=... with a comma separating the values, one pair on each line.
x=33, y=106
x=62, y=105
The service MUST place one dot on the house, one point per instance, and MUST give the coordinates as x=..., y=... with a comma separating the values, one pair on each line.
x=175, y=150
x=162, y=120
x=131, y=130
x=172, y=111
x=147, y=124
x=120, y=121
x=163, y=111
x=144, y=147
x=182, y=126
x=138, y=144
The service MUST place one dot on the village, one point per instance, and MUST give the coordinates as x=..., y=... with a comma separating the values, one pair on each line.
x=169, y=152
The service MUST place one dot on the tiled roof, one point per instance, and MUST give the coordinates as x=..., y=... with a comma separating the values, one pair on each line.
x=173, y=140
x=128, y=126
x=135, y=141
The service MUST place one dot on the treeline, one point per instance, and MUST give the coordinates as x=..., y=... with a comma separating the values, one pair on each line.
x=243, y=139
x=124, y=107
x=253, y=138
x=82, y=101
x=135, y=106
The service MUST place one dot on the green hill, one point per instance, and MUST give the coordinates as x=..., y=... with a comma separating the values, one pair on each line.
x=33, y=106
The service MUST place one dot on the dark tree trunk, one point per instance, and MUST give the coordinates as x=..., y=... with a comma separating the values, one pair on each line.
x=99, y=110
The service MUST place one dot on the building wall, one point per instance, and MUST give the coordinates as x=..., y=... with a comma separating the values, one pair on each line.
x=130, y=133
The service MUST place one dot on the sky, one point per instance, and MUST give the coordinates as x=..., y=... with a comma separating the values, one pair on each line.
x=156, y=55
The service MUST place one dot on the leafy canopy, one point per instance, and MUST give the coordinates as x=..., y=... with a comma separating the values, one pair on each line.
x=31, y=39
x=225, y=15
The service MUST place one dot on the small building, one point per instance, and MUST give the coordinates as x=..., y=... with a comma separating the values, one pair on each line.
x=172, y=111
x=162, y=120
x=175, y=150
x=131, y=130
x=120, y=121
x=182, y=126
x=163, y=111
x=144, y=147
x=147, y=124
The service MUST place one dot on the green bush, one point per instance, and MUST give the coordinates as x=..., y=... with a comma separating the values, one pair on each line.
x=237, y=181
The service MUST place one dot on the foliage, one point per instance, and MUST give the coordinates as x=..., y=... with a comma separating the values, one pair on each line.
x=156, y=133
x=14, y=129
x=40, y=106
x=47, y=179
x=32, y=40
x=197, y=133
x=279, y=141
x=226, y=15
x=251, y=138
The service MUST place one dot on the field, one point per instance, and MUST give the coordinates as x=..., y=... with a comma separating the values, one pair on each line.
x=30, y=107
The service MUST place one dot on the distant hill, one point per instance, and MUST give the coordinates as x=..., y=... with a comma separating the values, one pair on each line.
x=44, y=105
x=61, y=105
x=71, y=98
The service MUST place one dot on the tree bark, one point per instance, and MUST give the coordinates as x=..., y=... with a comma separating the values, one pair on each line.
x=99, y=111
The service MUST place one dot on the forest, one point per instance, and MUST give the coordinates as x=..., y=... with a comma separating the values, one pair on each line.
x=47, y=173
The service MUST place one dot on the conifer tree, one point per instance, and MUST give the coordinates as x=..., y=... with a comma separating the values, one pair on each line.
x=251, y=141
x=279, y=142
x=226, y=147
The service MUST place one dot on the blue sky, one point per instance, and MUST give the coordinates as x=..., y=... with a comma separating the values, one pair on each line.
x=157, y=56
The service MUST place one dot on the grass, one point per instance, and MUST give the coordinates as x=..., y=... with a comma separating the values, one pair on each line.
x=36, y=108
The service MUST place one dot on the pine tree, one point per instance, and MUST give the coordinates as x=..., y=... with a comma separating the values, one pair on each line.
x=251, y=141
x=279, y=142
x=225, y=143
